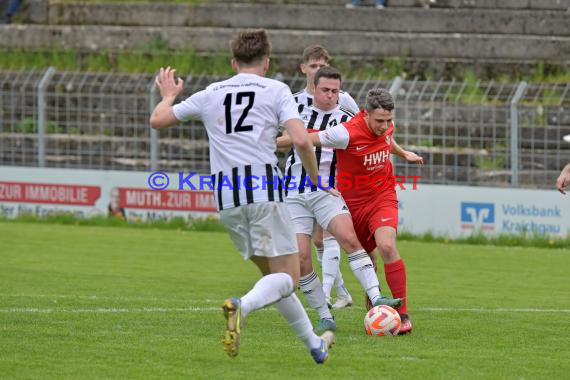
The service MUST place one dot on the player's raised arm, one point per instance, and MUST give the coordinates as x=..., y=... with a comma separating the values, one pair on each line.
x=405, y=154
x=163, y=116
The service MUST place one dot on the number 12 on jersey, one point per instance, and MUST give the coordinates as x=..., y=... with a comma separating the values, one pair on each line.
x=239, y=99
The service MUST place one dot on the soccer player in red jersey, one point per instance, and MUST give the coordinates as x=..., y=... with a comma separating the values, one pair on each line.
x=365, y=180
x=308, y=205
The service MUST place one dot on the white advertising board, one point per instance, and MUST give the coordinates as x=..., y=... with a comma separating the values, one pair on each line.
x=456, y=211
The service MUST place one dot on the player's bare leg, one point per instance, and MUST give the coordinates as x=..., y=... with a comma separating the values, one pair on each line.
x=342, y=229
x=395, y=271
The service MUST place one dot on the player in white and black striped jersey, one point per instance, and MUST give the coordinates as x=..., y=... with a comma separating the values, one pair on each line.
x=315, y=57
x=242, y=116
x=309, y=204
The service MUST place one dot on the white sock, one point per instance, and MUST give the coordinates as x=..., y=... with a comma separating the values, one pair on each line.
x=363, y=269
x=313, y=289
x=331, y=262
x=268, y=290
x=292, y=310
x=319, y=252
x=339, y=285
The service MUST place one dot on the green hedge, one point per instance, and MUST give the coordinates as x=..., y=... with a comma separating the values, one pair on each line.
x=213, y=225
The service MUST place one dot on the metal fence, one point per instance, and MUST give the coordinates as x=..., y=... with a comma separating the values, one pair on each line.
x=469, y=133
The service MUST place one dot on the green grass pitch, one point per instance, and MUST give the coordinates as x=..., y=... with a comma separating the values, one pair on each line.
x=112, y=303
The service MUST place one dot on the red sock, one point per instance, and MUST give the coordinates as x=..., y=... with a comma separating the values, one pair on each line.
x=396, y=279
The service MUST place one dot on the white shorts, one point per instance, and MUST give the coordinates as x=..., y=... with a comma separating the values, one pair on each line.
x=261, y=229
x=317, y=206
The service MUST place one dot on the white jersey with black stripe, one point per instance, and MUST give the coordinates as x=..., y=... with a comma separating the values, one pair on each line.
x=344, y=100
x=242, y=116
x=296, y=179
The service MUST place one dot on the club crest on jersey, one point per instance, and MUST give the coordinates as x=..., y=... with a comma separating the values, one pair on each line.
x=332, y=123
x=388, y=139
x=305, y=117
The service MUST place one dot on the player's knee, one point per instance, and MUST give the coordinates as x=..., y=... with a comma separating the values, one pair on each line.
x=349, y=242
x=387, y=249
x=352, y=246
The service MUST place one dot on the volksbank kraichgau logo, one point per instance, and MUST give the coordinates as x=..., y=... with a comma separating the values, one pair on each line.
x=478, y=216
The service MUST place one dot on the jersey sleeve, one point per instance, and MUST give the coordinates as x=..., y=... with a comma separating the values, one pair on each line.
x=348, y=102
x=191, y=108
x=287, y=108
x=335, y=137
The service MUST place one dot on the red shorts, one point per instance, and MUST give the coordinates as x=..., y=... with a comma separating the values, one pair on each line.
x=369, y=217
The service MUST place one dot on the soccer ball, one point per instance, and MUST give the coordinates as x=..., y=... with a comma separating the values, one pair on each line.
x=382, y=321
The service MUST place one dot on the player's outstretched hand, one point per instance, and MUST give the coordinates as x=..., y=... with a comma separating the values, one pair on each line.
x=413, y=158
x=167, y=84
x=562, y=182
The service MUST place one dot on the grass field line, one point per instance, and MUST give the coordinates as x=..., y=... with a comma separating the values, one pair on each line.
x=103, y=310
x=197, y=309
x=497, y=310
x=97, y=297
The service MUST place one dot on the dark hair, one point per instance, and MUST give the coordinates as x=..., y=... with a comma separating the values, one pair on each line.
x=327, y=72
x=315, y=52
x=250, y=46
x=379, y=98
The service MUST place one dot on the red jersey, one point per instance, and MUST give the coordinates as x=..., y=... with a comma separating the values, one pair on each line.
x=364, y=167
